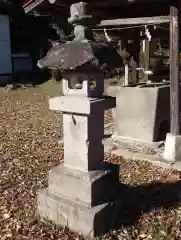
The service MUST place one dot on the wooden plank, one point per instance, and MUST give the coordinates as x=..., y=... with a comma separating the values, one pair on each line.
x=174, y=72
x=117, y=3
x=31, y=6
x=159, y=56
x=117, y=34
x=135, y=21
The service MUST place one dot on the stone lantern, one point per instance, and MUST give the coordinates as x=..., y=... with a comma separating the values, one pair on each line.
x=81, y=191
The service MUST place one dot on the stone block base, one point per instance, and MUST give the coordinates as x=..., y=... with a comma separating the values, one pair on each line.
x=78, y=217
x=91, y=188
x=172, y=151
x=142, y=111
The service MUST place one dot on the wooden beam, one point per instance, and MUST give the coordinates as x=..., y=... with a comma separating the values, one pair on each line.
x=135, y=21
x=108, y=3
x=174, y=72
x=117, y=3
x=31, y=6
x=159, y=57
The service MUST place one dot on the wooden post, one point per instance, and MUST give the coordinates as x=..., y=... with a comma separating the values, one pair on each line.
x=134, y=73
x=146, y=58
x=135, y=21
x=136, y=52
x=126, y=75
x=124, y=47
x=174, y=72
x=133, y=47
x=153, y=47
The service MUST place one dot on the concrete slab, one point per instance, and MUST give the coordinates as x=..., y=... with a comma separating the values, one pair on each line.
x=156, y=160
x=132, y=141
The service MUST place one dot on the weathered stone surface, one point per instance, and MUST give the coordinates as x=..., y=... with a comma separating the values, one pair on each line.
x=80, y=218
x=91, y=188
x=83, y=85
x=79, y=55
x=172, y=151
x=142, y=112
x=84, y=134
x=81, y=105
x=84, y=155
x=79, y=13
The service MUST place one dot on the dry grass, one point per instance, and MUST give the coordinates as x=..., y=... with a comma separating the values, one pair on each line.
x=28, y=149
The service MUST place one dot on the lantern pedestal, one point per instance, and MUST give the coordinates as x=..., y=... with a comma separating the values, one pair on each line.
x=80, y=218
x=81, y=189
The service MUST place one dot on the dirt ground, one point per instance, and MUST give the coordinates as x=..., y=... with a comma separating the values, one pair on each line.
x=29, y=133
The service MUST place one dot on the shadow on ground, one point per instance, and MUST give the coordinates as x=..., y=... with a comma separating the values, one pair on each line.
x=137, y=200
x=26, y=80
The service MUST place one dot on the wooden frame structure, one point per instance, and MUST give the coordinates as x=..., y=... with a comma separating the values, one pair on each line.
x=173, y=19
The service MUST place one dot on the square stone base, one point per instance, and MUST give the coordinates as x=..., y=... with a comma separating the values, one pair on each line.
x=91, y=188
x=78, y=217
